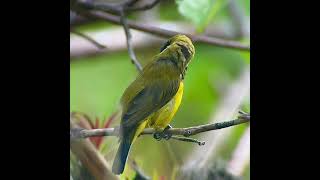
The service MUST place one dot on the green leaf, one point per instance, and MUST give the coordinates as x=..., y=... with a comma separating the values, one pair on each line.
x=200, y=12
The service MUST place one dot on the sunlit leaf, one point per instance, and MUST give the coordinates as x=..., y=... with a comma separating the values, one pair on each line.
x=200, y=12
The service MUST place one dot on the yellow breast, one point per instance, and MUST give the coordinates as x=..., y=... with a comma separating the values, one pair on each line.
x=161, y=119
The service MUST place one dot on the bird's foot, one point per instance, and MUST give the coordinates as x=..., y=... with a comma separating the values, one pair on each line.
x=157, y=135
x=166, y=134
x=163, y=134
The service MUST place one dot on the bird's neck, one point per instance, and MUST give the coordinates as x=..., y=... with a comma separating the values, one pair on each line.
x=177, y=60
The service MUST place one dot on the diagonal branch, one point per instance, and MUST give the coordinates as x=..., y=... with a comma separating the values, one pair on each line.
x=132, y=55
x=128, y=3
x=163, y=32
x=144, y=7
x=88, y=38
x=126, y=6
x=119, y=9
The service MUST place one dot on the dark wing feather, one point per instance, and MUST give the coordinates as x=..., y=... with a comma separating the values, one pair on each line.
x=149, y=100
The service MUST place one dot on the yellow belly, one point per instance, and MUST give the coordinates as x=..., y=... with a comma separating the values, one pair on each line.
x=161, y=119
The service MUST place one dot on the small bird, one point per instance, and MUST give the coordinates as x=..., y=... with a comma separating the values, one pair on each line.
x=154, y=97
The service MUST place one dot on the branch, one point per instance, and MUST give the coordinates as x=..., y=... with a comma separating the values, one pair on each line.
x=106, y=7
x=163, y=32
x=129, y=42
x=119, y=9
x=129, y=2
x=186, y=139
x=126, y=6
x=144, y=7
x=88, y=38
x=230, y=102
x=190, y=131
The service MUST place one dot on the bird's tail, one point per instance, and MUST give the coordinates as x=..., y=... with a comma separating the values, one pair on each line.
x=121, y=156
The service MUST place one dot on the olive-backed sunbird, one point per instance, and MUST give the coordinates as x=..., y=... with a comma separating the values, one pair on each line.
x=153, y=98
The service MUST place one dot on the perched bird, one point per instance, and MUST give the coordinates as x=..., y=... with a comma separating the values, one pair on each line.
x=154, y=97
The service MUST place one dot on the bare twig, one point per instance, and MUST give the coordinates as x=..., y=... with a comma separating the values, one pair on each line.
x=88, y=38
x=128, y=3
x=129, y=42
x=106, y=7
x=84, y=133
x=144, y=7
x=119, y=9
x=126, y=6
x=163, y=32
x=186, y=139
x=117, y=41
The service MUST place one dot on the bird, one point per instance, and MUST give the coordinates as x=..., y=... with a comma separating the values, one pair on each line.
x=154, y=97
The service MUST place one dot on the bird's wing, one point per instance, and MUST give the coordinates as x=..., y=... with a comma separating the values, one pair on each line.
x=149, y=99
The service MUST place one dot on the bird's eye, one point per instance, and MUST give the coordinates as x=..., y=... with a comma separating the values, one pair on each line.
x=165, y=46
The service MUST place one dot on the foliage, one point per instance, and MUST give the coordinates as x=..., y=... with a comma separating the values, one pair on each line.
x=200, y=12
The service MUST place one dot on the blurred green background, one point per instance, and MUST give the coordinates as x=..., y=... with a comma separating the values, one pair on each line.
x=98, y=81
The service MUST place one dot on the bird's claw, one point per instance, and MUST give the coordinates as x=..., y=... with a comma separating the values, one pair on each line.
x=157, y=136
x=163, y=134
x=167, y=136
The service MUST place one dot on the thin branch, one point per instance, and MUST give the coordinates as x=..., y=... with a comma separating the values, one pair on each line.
x=142, y=8
x=129, y=3
x=88, y=38
x=106, y=7
x=129, y=41
x=119, y=9
x=190, y=131
x=126, y=6
x=163, y=32
x=186, y=139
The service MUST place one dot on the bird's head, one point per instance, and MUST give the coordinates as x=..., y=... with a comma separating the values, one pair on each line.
x=183, y=46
